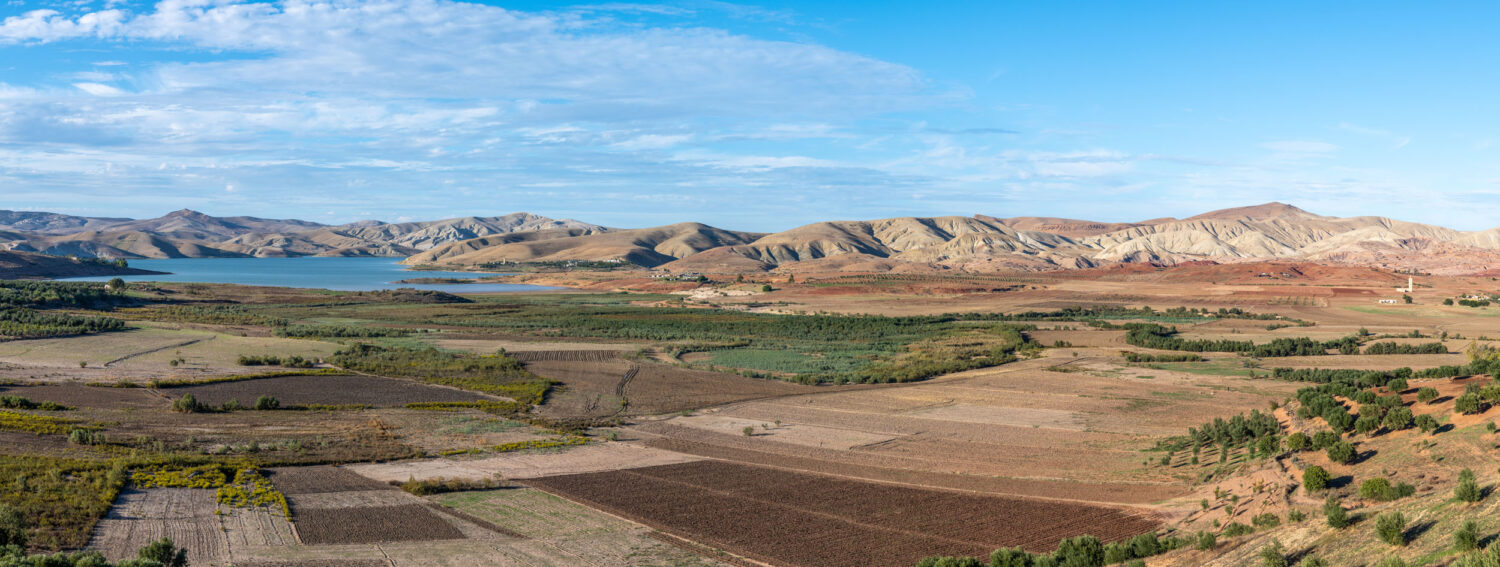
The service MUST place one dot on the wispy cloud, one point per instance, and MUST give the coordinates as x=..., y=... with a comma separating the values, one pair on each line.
x=1396, y=141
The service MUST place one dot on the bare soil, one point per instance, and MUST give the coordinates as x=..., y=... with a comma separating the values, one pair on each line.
x=311, y=480
x=141, y=516
x=408, y=522
x=804, y=520
x=78, y=395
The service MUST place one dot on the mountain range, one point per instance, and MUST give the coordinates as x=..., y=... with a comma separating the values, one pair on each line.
x=976, y=243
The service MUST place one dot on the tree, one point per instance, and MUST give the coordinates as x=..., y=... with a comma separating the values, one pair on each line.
x=1207, y=541
x=1391, y=528
x=1338, y=418
x=1341, y=452
x=766, y=288
x=1406, y=298
x=1398, y=418
x=1273, y=555
x=186, y=404
x=1467, y=489
x=1426, y=394
x=1010, y=557
x=115, y=284
x=1337, y=516
x=1467, y=404
x=1426, y=423
x=1315, y=478
x=1366, y=424
x=1297, y=441
x=1081, y=551
x=1448, y=301
x=1467, y=537
x=266, y=403
x=163, y=551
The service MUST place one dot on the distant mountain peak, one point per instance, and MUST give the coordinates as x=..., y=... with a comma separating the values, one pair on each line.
x=1269, y=210
x=187, y=214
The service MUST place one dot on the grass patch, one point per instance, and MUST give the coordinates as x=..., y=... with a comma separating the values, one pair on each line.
x=496, y=374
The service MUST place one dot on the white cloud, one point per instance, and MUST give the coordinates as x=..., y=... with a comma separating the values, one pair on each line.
x=653, y=141
x=98, y=89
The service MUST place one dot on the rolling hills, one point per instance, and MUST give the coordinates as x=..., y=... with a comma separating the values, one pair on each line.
x=1272, y=231
x=191, y=234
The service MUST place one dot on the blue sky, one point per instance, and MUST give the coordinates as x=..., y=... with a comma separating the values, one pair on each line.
x=748, y=116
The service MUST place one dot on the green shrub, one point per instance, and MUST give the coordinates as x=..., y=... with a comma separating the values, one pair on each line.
x=1273, y=555
x=1315, y=478
x=1468, y=404
x=266, y=403
x=1236, y=529
x=1397, y=419
x=187, y=404
x=1426, y=423
x=1342, y=452
x=1426, y=394
x=1467, y=489
x=1297, y=441
x=1335, y=514
x=1380, y=489
x=1391, y=528
x=1206, y=541
x=1467, y=537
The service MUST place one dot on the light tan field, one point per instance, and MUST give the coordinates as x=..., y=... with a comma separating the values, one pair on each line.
x=144, y=353
x=531, y=464
x=1019, y=428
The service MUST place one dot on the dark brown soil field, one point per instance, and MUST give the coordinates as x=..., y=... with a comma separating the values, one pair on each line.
x=409, y=522
x=318, y=563
x=88, y=397
x=797, y=519
x=332, y=390
x=567, y=355
x=313, y=480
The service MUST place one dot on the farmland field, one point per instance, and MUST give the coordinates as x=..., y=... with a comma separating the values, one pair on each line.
x=660, y=431
x=327, y=390
x=789, y=518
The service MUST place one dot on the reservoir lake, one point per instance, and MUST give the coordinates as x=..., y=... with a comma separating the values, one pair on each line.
x=339, y=274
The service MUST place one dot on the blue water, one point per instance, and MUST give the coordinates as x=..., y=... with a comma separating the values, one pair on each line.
x=340, y=274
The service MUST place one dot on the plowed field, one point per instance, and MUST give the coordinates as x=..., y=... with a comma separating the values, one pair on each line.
x=805, y=520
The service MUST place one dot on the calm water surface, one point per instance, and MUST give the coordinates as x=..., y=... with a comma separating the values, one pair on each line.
x=341, y=274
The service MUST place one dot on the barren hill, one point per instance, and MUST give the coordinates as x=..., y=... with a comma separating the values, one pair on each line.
x=979, y=243
x=53, y=223
x=989, y=243
x=644, y=247
x=191, y=234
